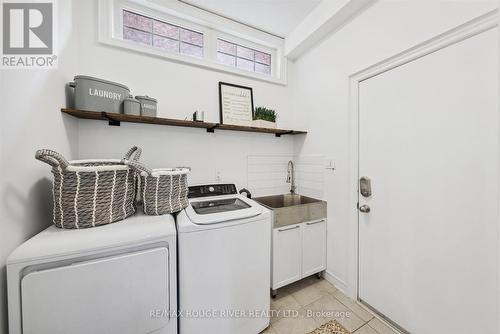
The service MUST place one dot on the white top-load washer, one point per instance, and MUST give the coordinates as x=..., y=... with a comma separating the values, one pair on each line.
x=115, y=279
x=224, y=254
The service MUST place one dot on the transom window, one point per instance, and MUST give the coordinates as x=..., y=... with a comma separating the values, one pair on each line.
x=232, y=54
x=149, y=31
x=193, y=38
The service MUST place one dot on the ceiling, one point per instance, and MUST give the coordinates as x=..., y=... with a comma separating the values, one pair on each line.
x=278, y=17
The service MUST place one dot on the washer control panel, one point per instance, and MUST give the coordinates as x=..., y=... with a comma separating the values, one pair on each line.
x=212, y=190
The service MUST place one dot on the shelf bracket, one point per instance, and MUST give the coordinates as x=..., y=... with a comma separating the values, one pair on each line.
x=111, y=121
x=212, y=129
x=284, y=133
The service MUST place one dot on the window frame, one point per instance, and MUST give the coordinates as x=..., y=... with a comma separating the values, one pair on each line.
x=250, y=45
x=110, y=21
x=153, y=34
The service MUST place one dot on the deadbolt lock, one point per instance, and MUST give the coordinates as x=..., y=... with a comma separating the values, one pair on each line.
x=365, y=186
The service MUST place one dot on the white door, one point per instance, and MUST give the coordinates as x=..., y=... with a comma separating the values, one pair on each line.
x=428, y=140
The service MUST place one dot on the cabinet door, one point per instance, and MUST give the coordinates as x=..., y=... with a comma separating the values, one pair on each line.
x=313, y=247
x=287, y=255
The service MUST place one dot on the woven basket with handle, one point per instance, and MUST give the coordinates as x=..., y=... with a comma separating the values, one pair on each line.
x=163, y=190
x=90, y=193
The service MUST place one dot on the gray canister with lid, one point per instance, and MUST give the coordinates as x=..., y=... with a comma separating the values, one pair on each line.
x=96, y=94
x=131, y=106
x=148, y=105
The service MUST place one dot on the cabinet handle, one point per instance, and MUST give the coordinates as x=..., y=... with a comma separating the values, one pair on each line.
x=315, y=222
x=288, y=228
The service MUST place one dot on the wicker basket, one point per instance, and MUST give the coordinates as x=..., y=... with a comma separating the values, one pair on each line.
x=163, y=190
x=90, y=193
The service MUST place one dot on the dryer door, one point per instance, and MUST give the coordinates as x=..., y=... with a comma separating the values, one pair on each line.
x=127, y=293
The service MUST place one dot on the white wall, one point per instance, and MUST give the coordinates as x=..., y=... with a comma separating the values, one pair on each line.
x=319, y=90
x=30, y=101
x=180, y=89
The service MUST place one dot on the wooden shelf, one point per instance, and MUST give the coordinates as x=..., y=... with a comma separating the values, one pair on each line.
x=116, y=119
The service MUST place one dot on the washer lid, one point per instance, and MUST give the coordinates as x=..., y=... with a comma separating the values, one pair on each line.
x=220, y=209
x=55, y=242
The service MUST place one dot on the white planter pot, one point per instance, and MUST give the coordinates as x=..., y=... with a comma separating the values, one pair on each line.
x=263, y=124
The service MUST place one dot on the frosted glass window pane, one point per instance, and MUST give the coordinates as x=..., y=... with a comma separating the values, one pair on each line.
x=166, y=43
x=246, y=58
x=263, y=58
x=226, y=47
x=172, y=38
x=137, y=36
x=191, y=50
x=226, y=59
x=137, y=21
x=163, y=35
x=245, y=64
x=165, y=29
x=245, y=53
x=191, y=37
x=261, y=68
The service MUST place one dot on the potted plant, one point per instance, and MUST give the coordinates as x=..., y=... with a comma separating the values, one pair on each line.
x=264, y=118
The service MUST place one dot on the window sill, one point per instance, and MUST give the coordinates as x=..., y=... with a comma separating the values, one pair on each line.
x=198, y=62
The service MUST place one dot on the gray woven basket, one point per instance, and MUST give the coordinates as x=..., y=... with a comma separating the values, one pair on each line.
x=90, y=193
x=163, y=190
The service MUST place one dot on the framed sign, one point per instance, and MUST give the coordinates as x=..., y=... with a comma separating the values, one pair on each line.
x=236, y=104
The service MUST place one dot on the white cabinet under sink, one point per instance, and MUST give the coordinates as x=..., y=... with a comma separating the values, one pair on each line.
x=299, y=251
x=313, y=247
x=287, y=255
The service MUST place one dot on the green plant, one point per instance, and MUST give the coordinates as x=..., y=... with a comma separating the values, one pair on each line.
x=265, y=114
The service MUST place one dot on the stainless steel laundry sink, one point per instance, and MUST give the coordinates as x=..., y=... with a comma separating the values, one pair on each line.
x=285, y=200
x=289, y=209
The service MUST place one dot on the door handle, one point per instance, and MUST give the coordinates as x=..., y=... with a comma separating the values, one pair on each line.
x=364, y=208
x=288, y=228
x=315, y=222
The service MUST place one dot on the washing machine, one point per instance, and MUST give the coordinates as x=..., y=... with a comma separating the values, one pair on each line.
x=116, y=279
x=224, y=262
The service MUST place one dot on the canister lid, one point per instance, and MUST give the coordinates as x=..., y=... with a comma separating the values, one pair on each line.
x=130, y=98
x=145, y=97
x=86, y=77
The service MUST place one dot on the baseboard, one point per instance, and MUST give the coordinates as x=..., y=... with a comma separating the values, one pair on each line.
x=335, y=280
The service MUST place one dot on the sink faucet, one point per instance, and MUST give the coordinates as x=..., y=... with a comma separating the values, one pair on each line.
x=290, y=178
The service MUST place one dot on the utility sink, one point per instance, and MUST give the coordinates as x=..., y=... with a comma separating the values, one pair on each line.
x=281, y=201
x=290, y=209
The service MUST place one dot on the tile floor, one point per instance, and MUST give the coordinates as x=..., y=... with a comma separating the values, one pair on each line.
x=303, y=306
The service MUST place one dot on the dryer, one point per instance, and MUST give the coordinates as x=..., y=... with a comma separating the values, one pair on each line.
x=119, y=278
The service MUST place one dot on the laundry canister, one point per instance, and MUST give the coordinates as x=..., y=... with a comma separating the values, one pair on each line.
x=96, y=94
x=149, y=105
x=131, y=106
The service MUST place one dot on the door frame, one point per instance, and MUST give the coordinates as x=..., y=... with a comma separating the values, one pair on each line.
x=462, y=32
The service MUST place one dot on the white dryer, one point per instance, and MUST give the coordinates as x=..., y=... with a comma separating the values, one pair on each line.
x=224, y=244
x=115, y=279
